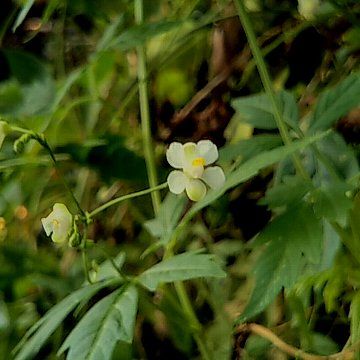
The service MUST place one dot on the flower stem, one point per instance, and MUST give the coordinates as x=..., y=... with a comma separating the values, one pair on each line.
x=267, y=83
x=145, y=113
x=126, y=197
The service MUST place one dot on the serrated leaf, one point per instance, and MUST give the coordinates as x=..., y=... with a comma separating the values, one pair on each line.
x=257, y=110
x=336, y=102
x=139, y=34
x=181, y=267
x=251, y=167
x=293, y=238
x=110, y=320
x=38, y=334
x=332, y=203
x=292, y=190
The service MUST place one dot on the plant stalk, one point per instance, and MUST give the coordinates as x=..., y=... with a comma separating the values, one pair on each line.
x=267, y=83
x=145, y=112
x=126, y=197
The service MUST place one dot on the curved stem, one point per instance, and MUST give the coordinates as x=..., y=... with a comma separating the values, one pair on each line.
x=291, y=350
x=145, y=113
x=126, y=197
x=267, y=83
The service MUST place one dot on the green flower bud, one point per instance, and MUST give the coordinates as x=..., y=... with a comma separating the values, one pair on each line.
x=5, y=129
x=19, y=144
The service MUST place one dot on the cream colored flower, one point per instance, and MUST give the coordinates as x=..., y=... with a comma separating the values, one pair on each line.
x=58, y=224
x=191, y=159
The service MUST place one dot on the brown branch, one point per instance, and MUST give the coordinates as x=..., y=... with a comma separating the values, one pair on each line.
x=348, y=354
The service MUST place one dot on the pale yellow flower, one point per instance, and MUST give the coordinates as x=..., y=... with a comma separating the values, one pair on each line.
x=58, y=224
x=192, y=160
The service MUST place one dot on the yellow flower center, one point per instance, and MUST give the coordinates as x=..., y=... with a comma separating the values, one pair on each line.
x=199, y=161
x=55, y=223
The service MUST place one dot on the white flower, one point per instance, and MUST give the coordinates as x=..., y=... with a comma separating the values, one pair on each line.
x=192, y=159
x=58, y=224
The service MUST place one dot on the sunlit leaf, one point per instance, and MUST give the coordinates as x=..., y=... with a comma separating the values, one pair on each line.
x=110, y=320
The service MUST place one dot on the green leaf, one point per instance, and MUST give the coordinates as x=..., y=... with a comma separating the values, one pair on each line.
x=291, y=191
x=257, y=110
x=38, y=334
x=109, y=33
x=22, y=14
x=293, y=238
x=140, y=34
x=35, y=84
x=181, y=267
x=245, y=149
x=110, y=320
x=336, y=102
x=251, y=167
x=170, y=212
x=332, y=203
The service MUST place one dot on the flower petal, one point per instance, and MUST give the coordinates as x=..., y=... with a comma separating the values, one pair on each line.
x=47, y=224
x=214, y=176
x=189, y=152
x=177, y=181
x=63, y=216
x=208, y=150
x=175, y=155
x=195, y=189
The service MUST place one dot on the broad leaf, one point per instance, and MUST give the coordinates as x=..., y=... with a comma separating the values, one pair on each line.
x=257, y=110
x=293, y=238
x=332, y=203
x=292, y=190
x=38, y=334
x=336, y=102
x=181, y=267
x=110, y=320
x=36, y=89
x=355, y=318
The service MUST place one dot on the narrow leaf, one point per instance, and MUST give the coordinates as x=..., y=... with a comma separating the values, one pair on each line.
x=38, y=334
x=22, y=14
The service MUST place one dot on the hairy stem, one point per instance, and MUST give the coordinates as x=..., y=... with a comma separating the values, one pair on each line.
x=145, y=113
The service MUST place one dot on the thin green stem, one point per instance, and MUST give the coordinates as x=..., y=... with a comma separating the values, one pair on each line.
x=42, y=141
x=126, y=197
x=145, y=113
x=267, y=83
